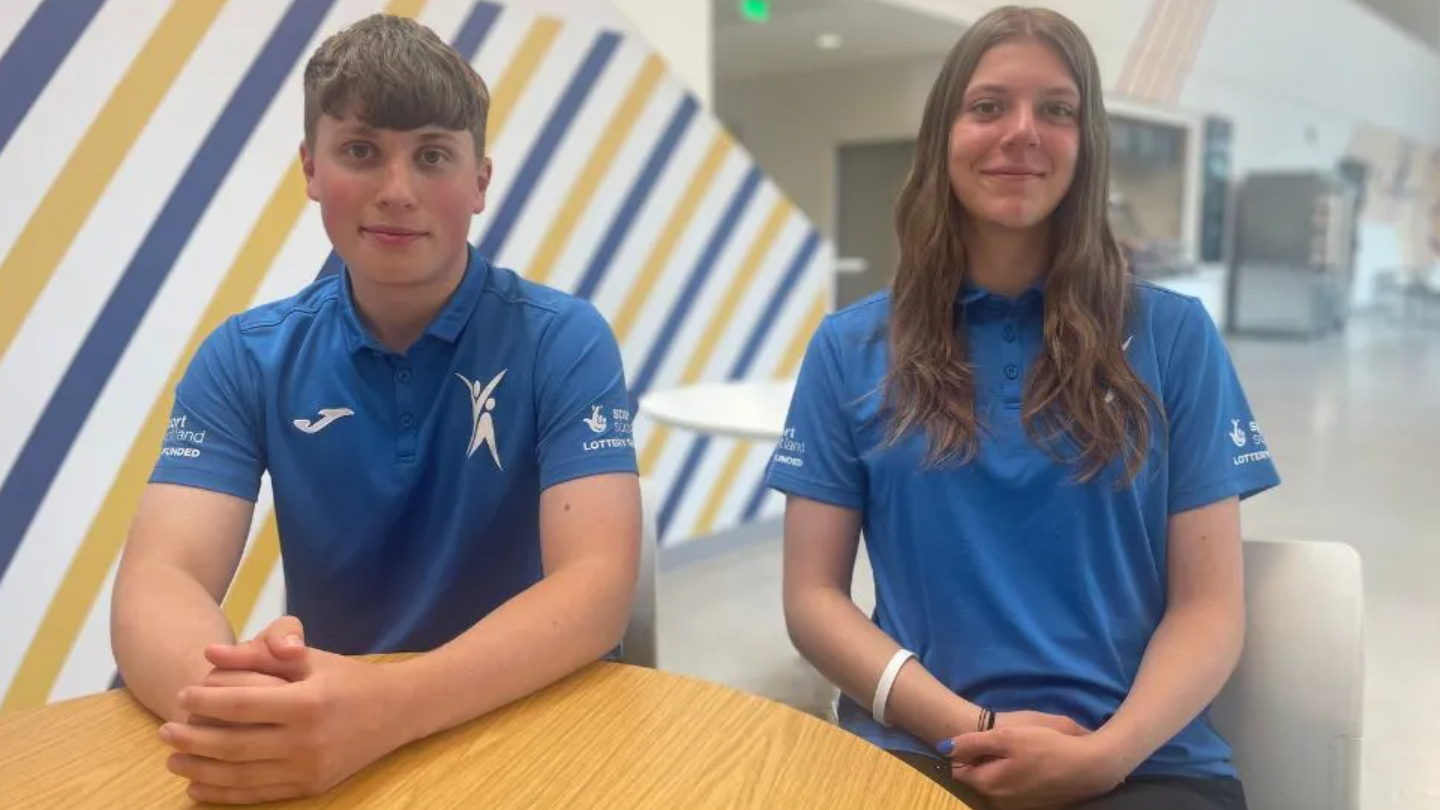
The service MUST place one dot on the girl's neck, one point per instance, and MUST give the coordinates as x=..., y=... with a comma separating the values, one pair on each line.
x=1003, y=261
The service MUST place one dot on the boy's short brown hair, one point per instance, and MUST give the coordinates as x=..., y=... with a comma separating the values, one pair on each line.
x=394, y=73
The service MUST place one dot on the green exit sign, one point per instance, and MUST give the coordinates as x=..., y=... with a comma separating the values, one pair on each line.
x=757, y=11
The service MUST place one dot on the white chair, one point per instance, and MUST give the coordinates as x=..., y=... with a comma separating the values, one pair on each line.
x=1293, y=708
x=639, y=645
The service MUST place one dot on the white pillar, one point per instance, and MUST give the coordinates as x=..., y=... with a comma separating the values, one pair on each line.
x=680, y=32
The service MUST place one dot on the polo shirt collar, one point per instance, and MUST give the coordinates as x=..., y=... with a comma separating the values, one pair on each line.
x=971, y=294
x=446, y=326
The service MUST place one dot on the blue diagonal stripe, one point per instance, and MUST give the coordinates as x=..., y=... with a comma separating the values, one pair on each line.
x=759, y=333
x=757, y=500
x=665, y=338
x=803, y=256
x=561, y=118
x=467, y=42
x=36, y=54
x=474, y=30
x=629, y=212
x=72, y=401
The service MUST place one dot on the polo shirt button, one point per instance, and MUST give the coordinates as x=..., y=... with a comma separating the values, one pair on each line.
x=406, y=420
x=1012, y=371
x=1009, y=333
x=403, y=376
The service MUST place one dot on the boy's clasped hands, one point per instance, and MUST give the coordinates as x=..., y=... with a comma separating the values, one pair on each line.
x=276, y=719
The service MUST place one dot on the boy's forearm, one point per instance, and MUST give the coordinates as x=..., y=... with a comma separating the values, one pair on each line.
x=161, y=621
x=557, y=626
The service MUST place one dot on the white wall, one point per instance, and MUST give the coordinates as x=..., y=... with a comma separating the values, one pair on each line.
x=866, y=103
x=793, y=124
x=1298, y=94
x=1304, y=83
x=589, y=12
x=681, y=31
x=1330, y=63
x=1111, y=25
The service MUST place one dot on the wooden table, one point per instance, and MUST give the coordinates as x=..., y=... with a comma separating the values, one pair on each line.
x=611, y=736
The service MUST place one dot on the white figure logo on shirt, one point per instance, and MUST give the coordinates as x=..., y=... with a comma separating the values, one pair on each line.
x=596, y=420
x=482, y=430
x=1236, y=434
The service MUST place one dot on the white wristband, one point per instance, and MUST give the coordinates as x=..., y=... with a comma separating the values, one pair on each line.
x=887, y=679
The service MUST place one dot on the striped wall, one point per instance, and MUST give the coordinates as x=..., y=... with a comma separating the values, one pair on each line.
x=151, y=188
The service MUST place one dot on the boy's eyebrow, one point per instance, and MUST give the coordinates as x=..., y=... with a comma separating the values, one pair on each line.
x=363, y=131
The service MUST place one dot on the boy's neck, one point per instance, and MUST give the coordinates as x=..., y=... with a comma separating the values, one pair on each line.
x=396, y=316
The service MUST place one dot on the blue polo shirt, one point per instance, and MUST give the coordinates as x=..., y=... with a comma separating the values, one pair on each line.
x=1015, y=586
x=406, y=487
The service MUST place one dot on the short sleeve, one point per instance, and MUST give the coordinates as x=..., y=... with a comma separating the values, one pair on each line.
x=583, y=407
x=1217, y=449
x=213, y=438
x=816, y=458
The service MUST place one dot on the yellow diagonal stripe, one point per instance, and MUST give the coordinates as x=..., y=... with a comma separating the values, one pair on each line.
x=250, y=580
x=518, y=74
x=583, y=191
x=795, y=352
x=720, y=320
x=787, y=367
x=75, y=597
x=670, y=235
x=52, y=228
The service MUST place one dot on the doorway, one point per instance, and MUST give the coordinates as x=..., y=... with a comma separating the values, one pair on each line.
x=869, y=177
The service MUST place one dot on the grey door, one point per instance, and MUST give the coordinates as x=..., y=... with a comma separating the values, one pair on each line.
x=869, y=178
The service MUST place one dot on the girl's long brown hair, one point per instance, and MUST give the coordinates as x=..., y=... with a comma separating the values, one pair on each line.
x=1081, y=388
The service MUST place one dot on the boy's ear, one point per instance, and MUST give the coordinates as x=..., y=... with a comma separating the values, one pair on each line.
x=307, y=165
x=482, y=179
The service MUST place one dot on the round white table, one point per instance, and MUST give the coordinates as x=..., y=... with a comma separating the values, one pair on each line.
x=753, y=410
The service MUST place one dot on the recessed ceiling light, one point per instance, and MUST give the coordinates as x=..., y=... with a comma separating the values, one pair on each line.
x=828, y=42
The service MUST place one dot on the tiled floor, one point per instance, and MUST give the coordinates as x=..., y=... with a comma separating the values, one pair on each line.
x=1354, y=424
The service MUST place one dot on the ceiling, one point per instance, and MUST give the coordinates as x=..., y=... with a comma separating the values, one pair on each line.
x=869, y=30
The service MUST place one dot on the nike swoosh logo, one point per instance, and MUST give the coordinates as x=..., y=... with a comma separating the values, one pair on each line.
x=1126, y=345
x=327, y=417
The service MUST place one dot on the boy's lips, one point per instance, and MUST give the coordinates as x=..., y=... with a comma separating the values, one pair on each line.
x=392, y=230
x=390, y=235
